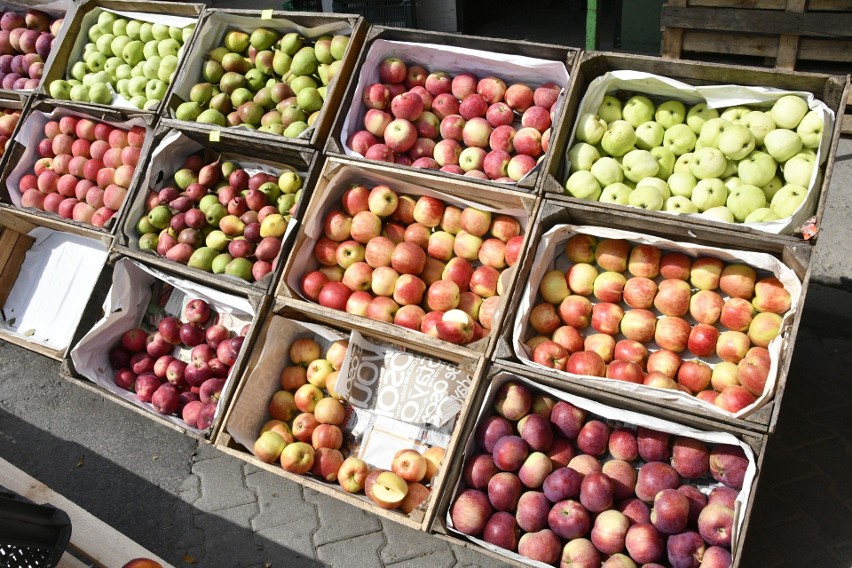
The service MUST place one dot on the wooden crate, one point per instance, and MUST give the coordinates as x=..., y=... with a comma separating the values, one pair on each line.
x=762, y=420
x=337, y=174
x=256, y=385
x=75, y=37
x=114, y=324
x=159, y=170
x=498, y=374
x=21, y=155
x=833, y=90
x=14, y=244
x=13, y=101
x=211, y=30
x=428, y=43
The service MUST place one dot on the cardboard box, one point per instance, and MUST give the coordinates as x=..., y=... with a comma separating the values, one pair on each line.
x=556, y=224
x=23, y=154
x=138, y=297
x=512, y=61
x=212, y=29
x=614, y=415
x=85, y=15
x=640, y=74
x=48, y=271
x=336, y=177
x=377, y=424
x=169, y=150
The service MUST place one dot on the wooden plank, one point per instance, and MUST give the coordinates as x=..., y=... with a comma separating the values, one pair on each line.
x=99, y=541
x=830, y=5
x=730, y=44
x=825, y=50
x=12, y=267
x=758, y=4
x=788, y=44
x=793, y=22
x=846, y=127
x=672, y=36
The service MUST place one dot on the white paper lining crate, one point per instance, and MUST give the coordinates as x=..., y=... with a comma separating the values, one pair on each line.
x=85, y=14
x=438, y=51
x=337, y=174
x=169, y=149
x=211, y=31
x=16, y=102
x=831, y=90
x=760, y=417
x=48, y=271
x=612, y=409
x=125, y=292
x=260, y=379
x=22, y=154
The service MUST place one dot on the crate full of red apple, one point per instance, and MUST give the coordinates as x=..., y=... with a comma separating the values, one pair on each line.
x=166, y=345
x=28, y=34
x=551, y=479
x=700, y=326
x=396, y=252
x=295, y=411
x=74, y=165
x=481, y=114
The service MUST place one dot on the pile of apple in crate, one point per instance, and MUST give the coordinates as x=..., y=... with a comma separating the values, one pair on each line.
x=539, y=302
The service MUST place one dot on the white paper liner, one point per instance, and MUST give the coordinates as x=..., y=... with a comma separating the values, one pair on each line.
x=716, y=96
x=333, y=191
x=550, y=256
x=374, y=439
x=628, y=418
x=168, y=157
x=452, y=60
x=91, y=19
x=211, y=36
x=33, y=129
x=55, y=281
x=124, y=309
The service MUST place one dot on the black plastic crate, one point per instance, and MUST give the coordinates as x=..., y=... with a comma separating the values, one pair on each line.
x=30, y=534
x=391, y=13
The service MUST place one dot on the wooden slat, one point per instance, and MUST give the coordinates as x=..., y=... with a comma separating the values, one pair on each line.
x=830, y=5
x=846, y=126
x=760, y=4
x=825, y=50
x=792, y=22
x=672, y=37
x=788, y=43
x=10, y=269
x=93, y=537
x=730, y=44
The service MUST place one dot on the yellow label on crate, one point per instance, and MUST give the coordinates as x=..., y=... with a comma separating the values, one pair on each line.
x=215, y=135
x=266, y=15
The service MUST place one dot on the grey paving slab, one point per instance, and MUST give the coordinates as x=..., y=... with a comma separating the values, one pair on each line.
x=831, y=258
x=408, y=544
x=290, y=544
x=280, y=502
x=438, y=559
x=216, y=474
x=340, y=521
x=361, y=551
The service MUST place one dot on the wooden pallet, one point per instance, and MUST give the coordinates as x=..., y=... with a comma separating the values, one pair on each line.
x=785, y=34
x=93, y=542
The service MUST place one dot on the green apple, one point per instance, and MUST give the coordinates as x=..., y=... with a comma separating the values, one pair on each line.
x=744, y=200
x=583, y=185
x=94, y=33
x=145, y=33
x=138, y=101
x=607, y=171
x=177, y=33
x=735, y=114
x=733, y=182
x=708, y=163
x=582, y=156
x=136, y=86
x=646, y=197
x=682, y=162
x=79, y=70
x=168, y=46
x=799, y=169
x=762, y=215
x=788, y=111
x=100, y=93
x=782, y=144
x=709, y=193
x=168, y=66
x=155, y=89
x=788, y=199
x=680, y=139
x=731, y=170
x=117, y=45
x=698, y=115
x=186, y=33
x=96, y=62
x=736, y=142
x=810, y=129
x=60, y=90
x=666, y=159
x=133, y=52
x=104, y=44
x=680, y=205
x=94, y=78
x=639, y=164
x=670, y=113
x=160, y=31
x=80, y=93
x=590, y=128
x=610, y=109
x=771, y=188
x=759, y=123
x=616, y=193
x=138, y=70
x=649, y=135
x=106, y=19
x=682, y=184
x=711, y=130
x=149, y=49
x=119, y=27
x=132, y=29
x=637, y=110
x=121, y=87
x=757, y=168
x=151, y=67
x=660, y=184
x=720, y=213
x=618, y=138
